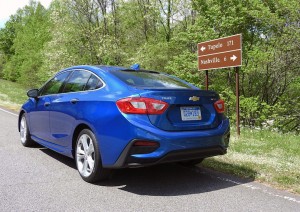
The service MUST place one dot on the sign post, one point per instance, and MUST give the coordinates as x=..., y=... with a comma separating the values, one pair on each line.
x=222, y=53
x=206, y=79
x=237, y=94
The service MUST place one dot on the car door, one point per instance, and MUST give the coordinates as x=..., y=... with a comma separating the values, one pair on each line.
x=66, y=105
x=39, y=116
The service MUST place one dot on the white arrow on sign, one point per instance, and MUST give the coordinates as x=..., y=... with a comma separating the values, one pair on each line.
x=203, y=48
x=233, y=58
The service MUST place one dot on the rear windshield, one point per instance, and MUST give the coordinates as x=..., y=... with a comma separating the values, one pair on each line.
x=147, y=79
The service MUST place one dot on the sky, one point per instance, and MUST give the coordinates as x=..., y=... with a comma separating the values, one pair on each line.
x=10, y=7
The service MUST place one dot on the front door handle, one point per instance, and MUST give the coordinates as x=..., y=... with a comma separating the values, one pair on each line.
x=74, y=101
x=46, y=104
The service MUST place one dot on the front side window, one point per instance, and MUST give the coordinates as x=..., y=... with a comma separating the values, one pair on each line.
x=54, y=85
x=77, y=81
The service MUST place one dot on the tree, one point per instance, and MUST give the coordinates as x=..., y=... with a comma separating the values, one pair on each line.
x=30, y=34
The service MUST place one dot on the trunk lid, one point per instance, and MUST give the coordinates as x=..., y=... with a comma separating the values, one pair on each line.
x=189, y=109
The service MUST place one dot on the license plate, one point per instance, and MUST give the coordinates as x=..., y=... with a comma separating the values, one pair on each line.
x=190, y=113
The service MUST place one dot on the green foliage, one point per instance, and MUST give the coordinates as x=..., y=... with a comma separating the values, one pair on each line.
x=62, y=50
x=30, y=34
x=163, y=35
x=12, y=95
x=262, y=155
x=183, y=66
x=2, y=62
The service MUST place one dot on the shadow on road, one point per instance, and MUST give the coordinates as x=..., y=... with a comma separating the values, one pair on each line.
x=61, y=158
x=168, y=180
x=161, y=180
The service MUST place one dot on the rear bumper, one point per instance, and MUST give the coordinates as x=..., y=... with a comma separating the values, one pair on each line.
x=177, y=146
x=175, y=156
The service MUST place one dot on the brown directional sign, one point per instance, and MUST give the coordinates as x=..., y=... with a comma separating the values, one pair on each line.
x=220, y=53
x=220, y=60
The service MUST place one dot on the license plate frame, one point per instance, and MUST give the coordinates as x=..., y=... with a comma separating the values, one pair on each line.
x=190, y=113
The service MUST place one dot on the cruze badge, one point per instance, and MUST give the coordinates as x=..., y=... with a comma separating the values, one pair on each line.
x=194, y=98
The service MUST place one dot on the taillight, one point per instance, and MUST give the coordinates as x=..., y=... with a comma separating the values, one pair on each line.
x=220, y=106
x=140, y=105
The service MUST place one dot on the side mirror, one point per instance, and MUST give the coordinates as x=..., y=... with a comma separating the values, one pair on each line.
x=33, y=93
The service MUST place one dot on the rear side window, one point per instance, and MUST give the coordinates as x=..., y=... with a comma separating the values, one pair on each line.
x=146, y=79
x=53, y=86
x=93, y=83
x=77, y=81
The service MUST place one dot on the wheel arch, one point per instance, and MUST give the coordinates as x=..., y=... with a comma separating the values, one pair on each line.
x=19, y=119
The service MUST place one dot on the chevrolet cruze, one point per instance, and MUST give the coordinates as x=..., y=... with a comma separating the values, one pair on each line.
x=109, y=117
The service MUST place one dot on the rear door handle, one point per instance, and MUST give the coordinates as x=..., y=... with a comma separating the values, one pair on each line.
x=46, y=104
x=74, y=101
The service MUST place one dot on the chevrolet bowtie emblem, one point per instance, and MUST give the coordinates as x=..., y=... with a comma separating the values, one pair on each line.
x=194, y=98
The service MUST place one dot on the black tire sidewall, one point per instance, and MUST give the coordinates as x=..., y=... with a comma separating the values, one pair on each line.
x=28, y=142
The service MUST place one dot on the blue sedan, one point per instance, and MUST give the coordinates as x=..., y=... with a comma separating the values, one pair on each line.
x=108, y=117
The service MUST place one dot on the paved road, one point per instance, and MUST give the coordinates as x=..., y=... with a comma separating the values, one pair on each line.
x=37, y=179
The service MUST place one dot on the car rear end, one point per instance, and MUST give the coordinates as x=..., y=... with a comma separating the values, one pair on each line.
x=180, y=121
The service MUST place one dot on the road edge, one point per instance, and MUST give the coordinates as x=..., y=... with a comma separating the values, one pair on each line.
x=9, y=111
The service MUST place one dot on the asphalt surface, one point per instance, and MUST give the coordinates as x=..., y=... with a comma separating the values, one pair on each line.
x=37, y=179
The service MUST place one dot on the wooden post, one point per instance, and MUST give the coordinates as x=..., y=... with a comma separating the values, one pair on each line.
x=237, y=93
x=206, y=79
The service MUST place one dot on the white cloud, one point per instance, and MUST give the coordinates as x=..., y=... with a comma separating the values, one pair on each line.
x=10, y=7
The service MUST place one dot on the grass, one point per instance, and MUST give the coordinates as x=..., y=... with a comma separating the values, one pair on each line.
x=12, y=95
x=262, y=155
x=265, y=156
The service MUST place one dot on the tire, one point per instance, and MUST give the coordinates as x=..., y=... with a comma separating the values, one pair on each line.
x=24, y=133
x=88, y=158
x=191, y=162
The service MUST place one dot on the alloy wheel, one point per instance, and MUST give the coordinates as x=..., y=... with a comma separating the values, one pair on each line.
x=23, y=130
x=85, y=155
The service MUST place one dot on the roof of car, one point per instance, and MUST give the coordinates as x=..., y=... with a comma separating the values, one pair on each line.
x=110, y=68
x=106, y=68
x=101, y=67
